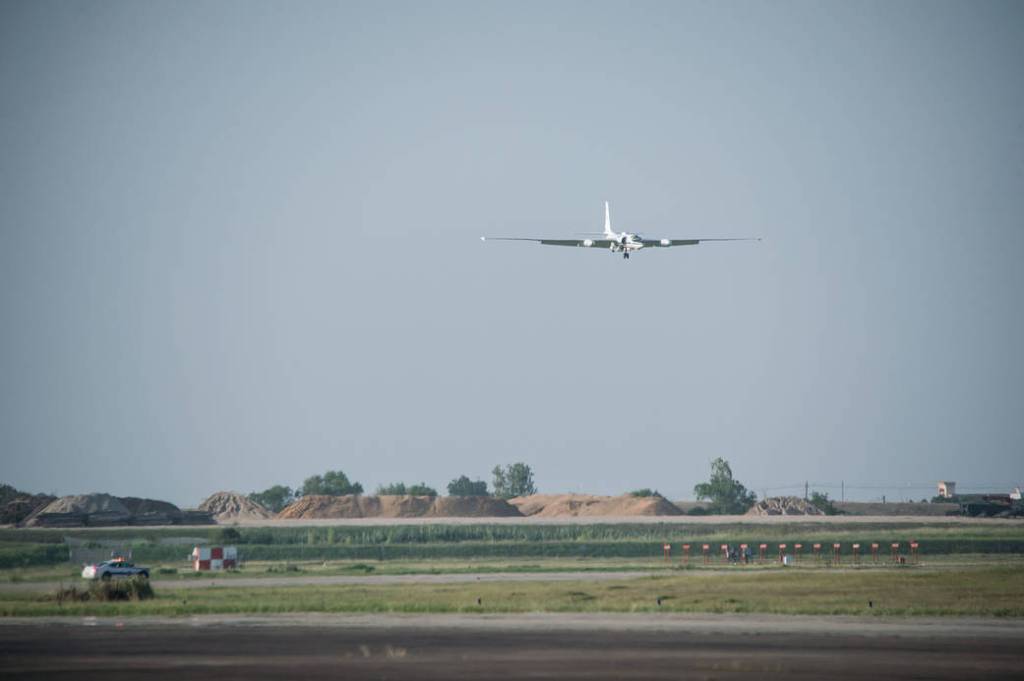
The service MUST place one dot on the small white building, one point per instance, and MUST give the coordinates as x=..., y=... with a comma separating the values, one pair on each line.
x=947, y=489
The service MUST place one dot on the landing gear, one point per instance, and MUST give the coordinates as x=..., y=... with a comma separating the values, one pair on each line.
x=625, y=255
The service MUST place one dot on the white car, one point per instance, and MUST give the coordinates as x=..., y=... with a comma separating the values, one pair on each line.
x=118, y=567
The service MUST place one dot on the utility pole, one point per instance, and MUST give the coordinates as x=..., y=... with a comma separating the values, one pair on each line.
x=842, y=488
x=805, y=490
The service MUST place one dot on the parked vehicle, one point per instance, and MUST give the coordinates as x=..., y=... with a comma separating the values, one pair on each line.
x=117, y=567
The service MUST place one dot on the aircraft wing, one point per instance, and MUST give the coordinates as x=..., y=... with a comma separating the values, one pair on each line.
x=584, y=243
x=668, y=243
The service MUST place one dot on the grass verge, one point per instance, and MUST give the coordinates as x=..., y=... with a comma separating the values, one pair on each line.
x=986, y=591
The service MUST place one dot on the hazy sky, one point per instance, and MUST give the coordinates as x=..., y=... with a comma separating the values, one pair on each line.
x=239, y=244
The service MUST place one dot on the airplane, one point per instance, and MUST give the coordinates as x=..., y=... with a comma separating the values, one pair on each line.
x=616, y=242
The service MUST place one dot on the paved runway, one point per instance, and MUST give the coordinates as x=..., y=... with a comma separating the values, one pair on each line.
x=507, y=647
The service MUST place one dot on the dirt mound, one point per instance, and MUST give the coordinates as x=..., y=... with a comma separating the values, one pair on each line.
x=570, y=505
x=138, y=506
x=151, y=511
x=192, y=516
x=784, y=506
x=473, y=507
x=228, y=506
x=19, y=508
x=404, y=506
x=359, y=506
x=326, y=506
x=95, y=510
x=81, y=509
x=87, y=503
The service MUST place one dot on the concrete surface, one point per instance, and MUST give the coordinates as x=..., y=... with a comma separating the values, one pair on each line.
x=504, y=647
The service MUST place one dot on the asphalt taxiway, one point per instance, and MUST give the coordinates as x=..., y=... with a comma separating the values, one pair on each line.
x=510, y=646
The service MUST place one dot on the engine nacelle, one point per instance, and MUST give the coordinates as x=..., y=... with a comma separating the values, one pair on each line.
x=666, y=242
x=588, y=242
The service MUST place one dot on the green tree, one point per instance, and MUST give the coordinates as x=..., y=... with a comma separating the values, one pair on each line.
x=821, y=501
x=422, y=490
x=464, y=487
x=333, y=483
x=645, y=492
x=499, y=482
x=9, y=493
x=400, y=489
x=515, y=480
x=727, y=495
x=395, y=489
x=274, y=498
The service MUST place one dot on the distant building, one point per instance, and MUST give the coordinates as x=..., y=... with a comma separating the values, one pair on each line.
x=947, y=489
x=1015, y=494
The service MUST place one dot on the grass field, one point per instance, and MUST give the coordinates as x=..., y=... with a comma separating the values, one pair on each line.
x=980, y=591
x=28, y=547
x=177, y=571
x=965, y=568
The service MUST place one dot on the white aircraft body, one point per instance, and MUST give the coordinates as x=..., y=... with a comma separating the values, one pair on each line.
x=616, y=242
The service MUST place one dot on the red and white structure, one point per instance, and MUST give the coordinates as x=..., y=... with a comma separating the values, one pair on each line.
x=214, y=558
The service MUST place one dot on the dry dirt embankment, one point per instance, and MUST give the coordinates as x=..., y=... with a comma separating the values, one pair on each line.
x=81, y=509
x=576, y=505
x=360, y=506
x=232, y=506
x=105, y=510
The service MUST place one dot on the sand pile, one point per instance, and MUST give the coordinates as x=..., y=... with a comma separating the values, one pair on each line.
x=99, y=510
x=88, y=503
x=401, y=506
x=326, y=506
x=784, y=506
x=360, y=506
x=81, y=509
x=229, y=506
x=569, y=505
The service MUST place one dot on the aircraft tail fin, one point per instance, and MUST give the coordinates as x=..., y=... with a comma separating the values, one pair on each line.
x=607, y=221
